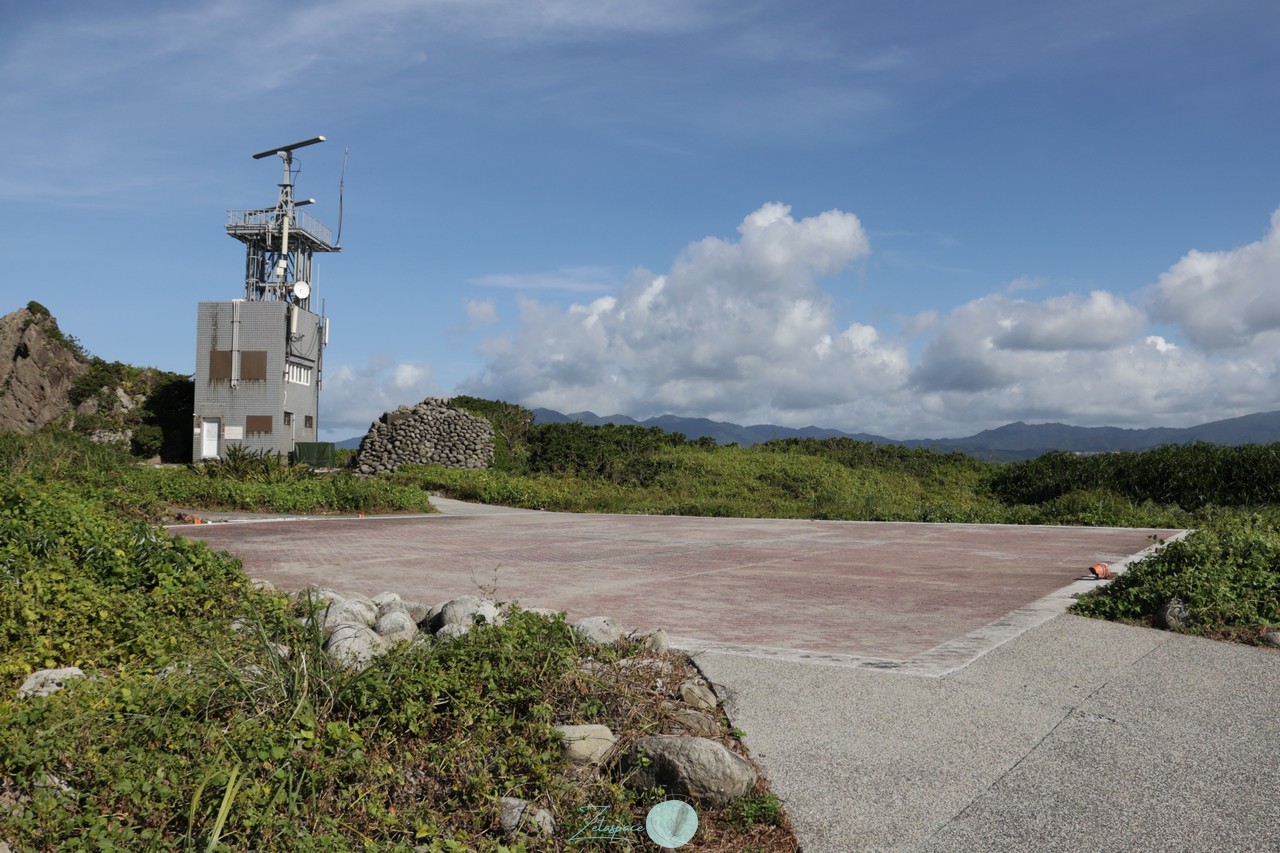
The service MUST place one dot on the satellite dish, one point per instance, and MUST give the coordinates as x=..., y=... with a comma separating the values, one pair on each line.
x=301, y=289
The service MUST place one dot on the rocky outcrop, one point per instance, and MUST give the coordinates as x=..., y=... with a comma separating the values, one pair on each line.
x=37, y=370
x=430, y=433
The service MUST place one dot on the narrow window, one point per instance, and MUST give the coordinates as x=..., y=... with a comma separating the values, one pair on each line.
x=298, y=373
x=308, y=422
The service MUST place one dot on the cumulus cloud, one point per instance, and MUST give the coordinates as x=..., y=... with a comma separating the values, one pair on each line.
x=357, y=394
x=1223, y=300
x=996, y=341
x=733, y=324
x=741, y=330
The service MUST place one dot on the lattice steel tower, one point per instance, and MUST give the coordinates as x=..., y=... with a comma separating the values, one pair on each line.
x=280, y=241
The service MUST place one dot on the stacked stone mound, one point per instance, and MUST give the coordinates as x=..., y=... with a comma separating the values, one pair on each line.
x=430, y=433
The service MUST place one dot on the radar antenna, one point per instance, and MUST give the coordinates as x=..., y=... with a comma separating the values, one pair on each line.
x=280, y=241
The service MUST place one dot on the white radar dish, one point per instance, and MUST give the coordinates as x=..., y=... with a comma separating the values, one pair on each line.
x=301, y=289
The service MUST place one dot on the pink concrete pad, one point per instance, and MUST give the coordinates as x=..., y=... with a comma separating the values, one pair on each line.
x=870, y=589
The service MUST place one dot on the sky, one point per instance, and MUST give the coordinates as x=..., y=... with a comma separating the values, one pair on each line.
x=915, y=219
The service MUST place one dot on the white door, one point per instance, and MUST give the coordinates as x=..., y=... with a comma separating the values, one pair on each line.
x=209, y=438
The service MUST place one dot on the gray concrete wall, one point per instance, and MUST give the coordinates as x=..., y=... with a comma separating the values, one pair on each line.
x=263, y=327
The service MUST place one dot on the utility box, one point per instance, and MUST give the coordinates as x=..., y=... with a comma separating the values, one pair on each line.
x=317, y=454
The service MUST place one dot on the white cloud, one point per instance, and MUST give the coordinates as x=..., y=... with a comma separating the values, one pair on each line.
x=996, y=341
x=739, y=330
x=570, y=279
x=733, y=327
x=481, y=312
x=356, y=395
x=1223, y=300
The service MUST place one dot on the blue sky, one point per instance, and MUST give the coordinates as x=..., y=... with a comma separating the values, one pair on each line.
x=914, y=219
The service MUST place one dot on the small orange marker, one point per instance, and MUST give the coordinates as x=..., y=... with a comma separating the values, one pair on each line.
x=195, y=519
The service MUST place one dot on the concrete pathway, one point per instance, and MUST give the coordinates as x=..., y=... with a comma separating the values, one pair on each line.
x=904, y=687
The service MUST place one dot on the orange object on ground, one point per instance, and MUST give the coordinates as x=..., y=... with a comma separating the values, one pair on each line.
x=1101, y=571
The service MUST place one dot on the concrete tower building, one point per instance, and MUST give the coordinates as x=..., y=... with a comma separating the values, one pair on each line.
x=259, y=357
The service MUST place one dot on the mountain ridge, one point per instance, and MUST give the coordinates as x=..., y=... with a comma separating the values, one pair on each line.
x=1018, y=440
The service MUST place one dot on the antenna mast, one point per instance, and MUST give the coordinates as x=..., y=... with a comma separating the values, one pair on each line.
x=280, y=241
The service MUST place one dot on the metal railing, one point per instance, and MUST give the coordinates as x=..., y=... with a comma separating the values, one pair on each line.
x=254, y=220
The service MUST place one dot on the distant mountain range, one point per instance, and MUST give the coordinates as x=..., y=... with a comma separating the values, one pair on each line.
x=1002, y=444
x=1006, y=443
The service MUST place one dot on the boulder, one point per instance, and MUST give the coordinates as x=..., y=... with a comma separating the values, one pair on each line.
x=396, y=626
x=1172, y=615
x=694, y=767
x=45, y=681
x=695, y=722
x=354, y=646
x=467, y=610
x=357, y=611
x=586, y=744
x=598, y=629
x=698, y=694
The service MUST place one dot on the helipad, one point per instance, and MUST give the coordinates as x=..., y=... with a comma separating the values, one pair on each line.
x=920, y=598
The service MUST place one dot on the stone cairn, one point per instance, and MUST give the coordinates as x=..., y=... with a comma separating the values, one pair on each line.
x=430, y=433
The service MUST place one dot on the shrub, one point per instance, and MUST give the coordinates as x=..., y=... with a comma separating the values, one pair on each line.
x=1226, y=573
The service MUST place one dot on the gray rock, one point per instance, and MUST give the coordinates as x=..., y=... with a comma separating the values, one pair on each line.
x=586, y=744
x=598, y=629
x=396, y=626
x=657, y=641
x=449, y=632
x=1172, y=615
x=693, y=767
x=358, y=611
x=698, y=694
x=1271, y=638
x=695, y=722
x=262, y=585
x=45, y=681
x=416, y=609
x=354, y=646
x=517, y=815
x=36, y=373
x=468, y=610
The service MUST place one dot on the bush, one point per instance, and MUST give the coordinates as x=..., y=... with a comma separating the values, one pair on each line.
x=1226, y=573
x=80, y=587
x=1191, y=476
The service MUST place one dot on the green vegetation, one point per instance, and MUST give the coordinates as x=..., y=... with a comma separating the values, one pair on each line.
x=154, y=405
x=1226, y=574
x=242, y=482
x=212, y=719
